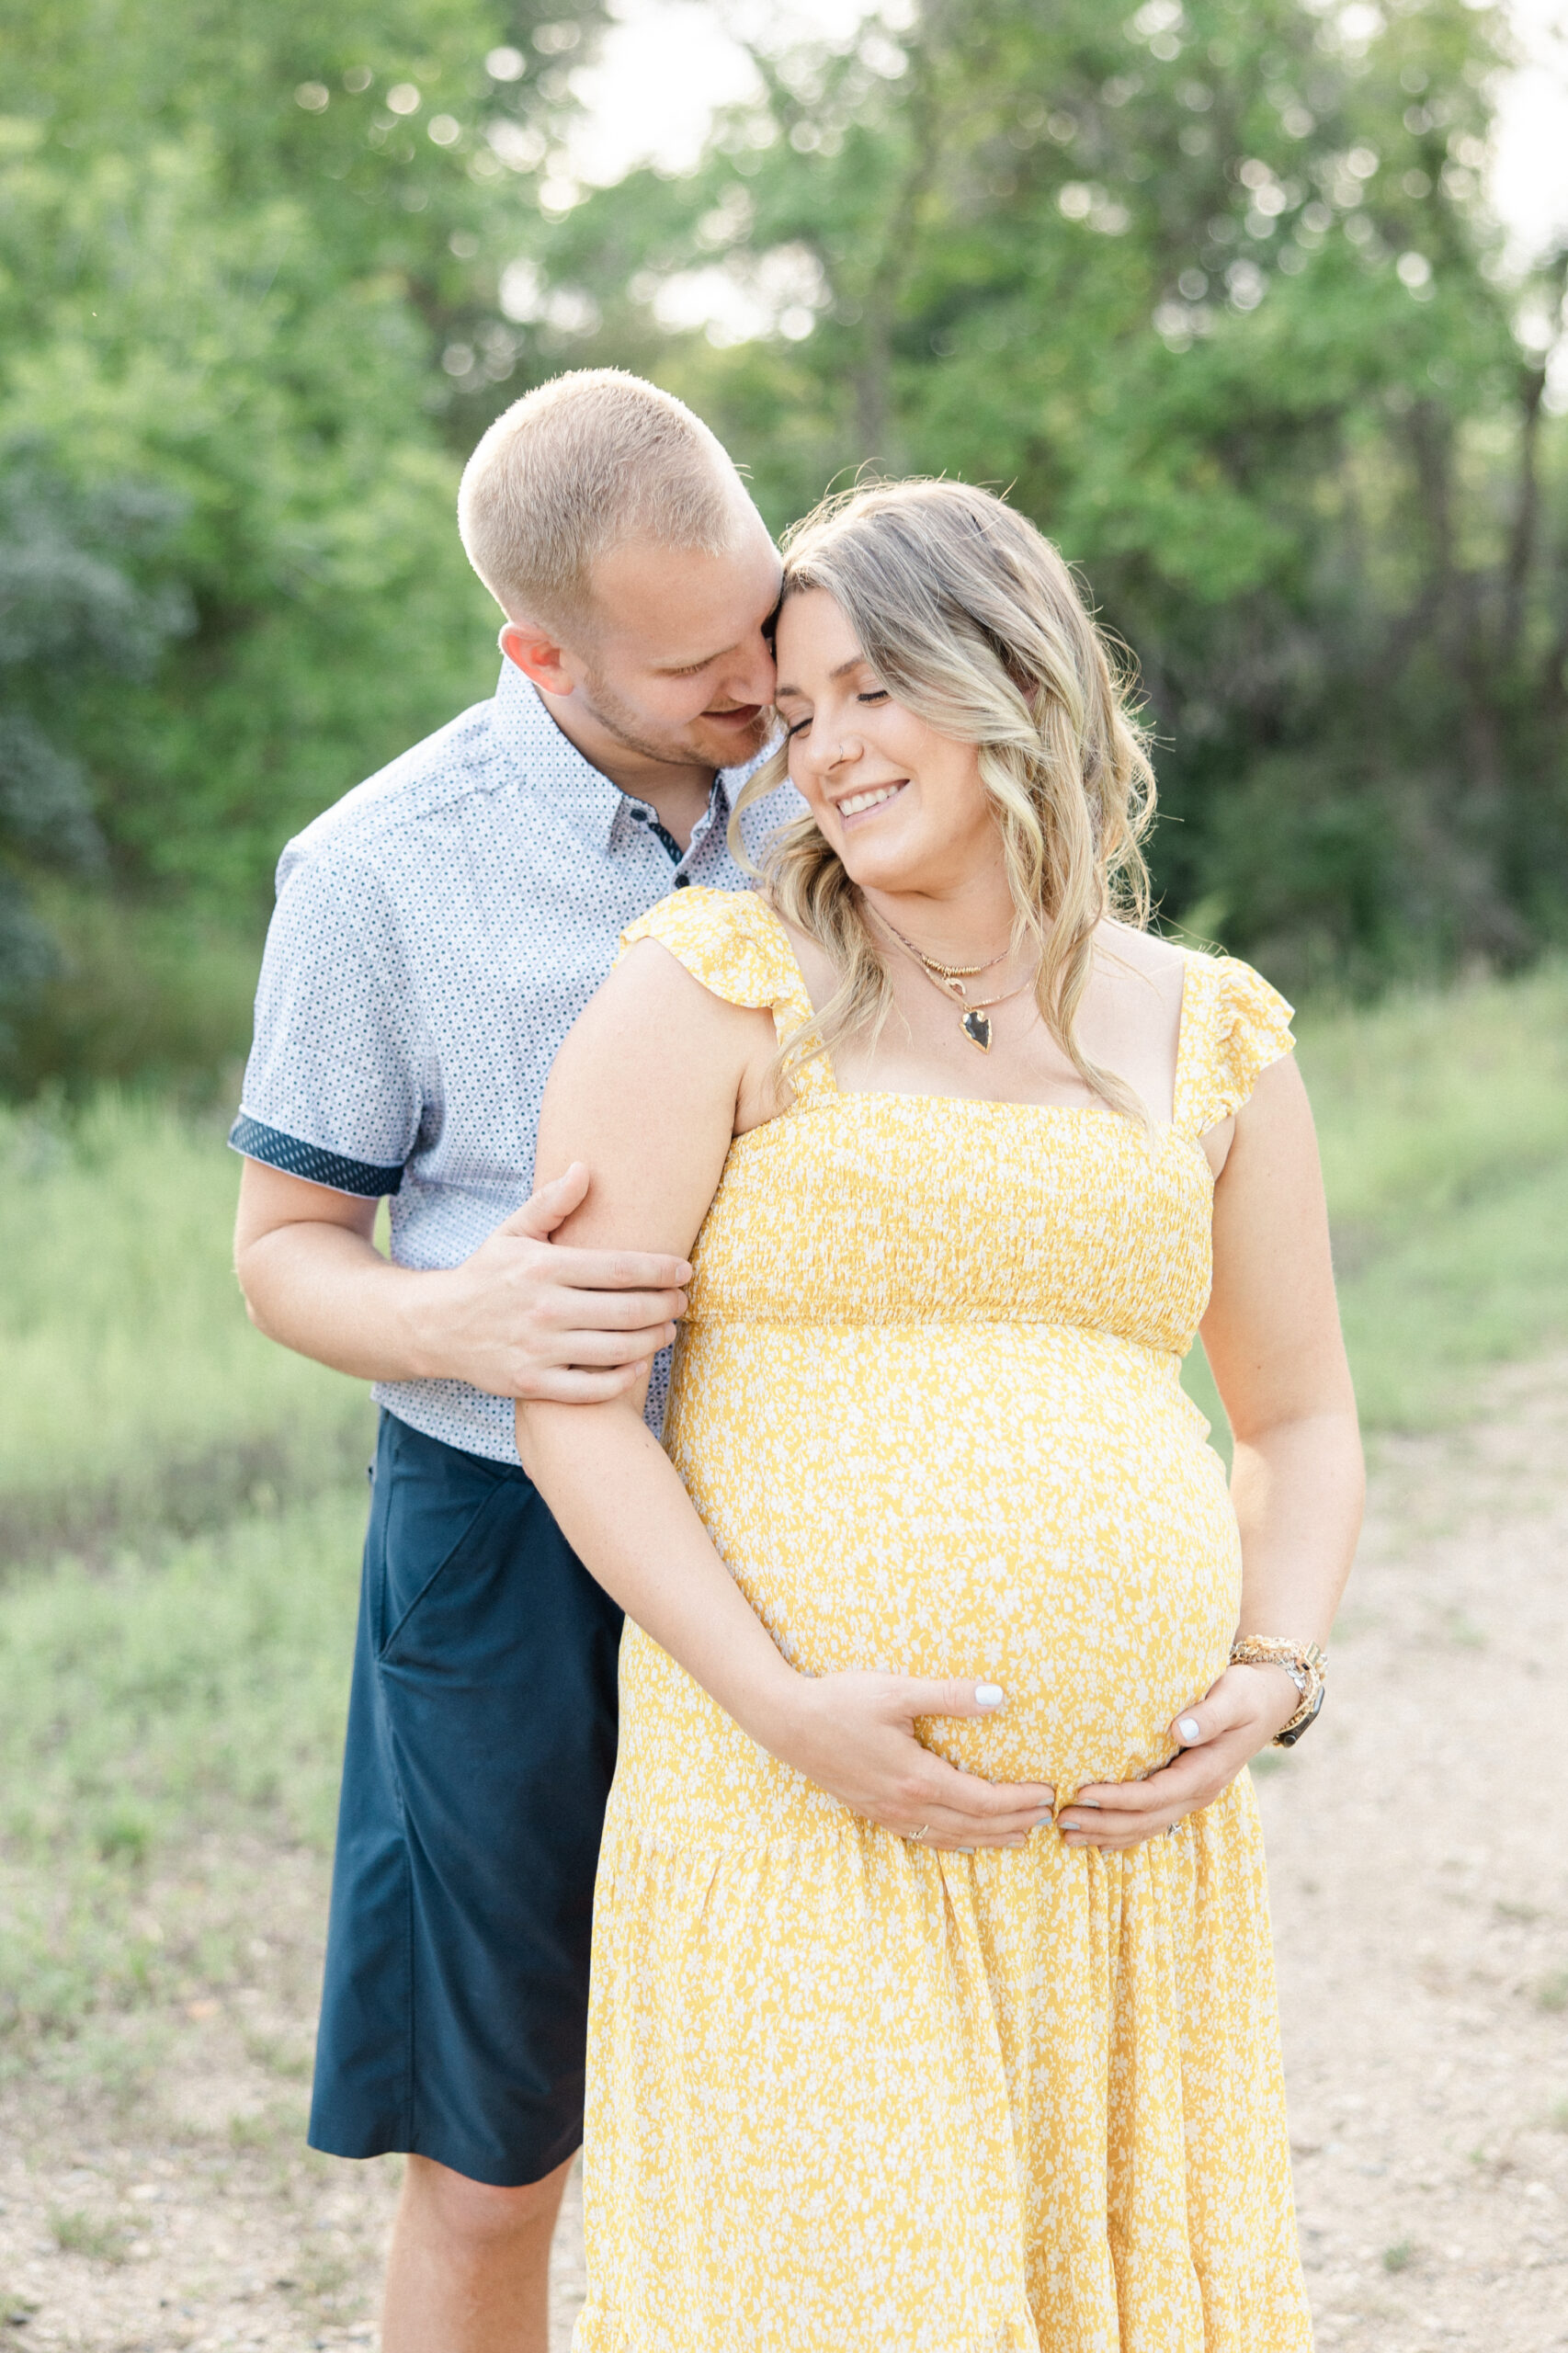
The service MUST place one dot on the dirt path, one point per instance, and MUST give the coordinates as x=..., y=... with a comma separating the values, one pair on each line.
x=1419, y=1850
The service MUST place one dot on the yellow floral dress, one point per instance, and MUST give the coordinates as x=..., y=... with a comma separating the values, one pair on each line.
x=845, y=2095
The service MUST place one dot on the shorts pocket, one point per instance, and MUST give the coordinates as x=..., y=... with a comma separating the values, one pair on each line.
x=432, y=1510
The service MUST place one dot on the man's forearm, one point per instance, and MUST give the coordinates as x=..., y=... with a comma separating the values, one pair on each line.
x=327, y=1293
x=522, y=1317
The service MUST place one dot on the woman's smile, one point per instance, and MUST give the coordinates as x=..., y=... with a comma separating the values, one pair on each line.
x=870, y=796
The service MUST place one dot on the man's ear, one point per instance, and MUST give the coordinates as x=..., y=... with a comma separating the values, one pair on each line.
x=538, y=655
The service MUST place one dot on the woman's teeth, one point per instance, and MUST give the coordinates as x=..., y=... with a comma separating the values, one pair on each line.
x=859, y=801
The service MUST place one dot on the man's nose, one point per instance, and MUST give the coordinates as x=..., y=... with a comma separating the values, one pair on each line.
x=755, y=679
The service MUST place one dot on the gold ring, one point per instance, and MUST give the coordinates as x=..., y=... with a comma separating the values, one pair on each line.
x=921, y=1832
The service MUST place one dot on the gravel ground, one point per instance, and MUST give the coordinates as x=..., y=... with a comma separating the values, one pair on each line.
x=1419, y=1848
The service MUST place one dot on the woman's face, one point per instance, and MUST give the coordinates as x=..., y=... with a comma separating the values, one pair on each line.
x=904, y=806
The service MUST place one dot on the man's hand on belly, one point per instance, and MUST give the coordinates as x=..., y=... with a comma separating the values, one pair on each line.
x=1237, y=1716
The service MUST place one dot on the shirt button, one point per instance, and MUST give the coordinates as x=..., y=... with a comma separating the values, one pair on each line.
x=682, y=880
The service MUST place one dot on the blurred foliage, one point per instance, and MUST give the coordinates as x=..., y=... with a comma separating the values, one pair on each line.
x=233, y=246
x=155, y=996
x=1210, y=285
x=1211, y=288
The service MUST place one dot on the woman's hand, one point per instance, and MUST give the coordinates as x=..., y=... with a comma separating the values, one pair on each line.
x=1238, y=1715
x=854, y=1735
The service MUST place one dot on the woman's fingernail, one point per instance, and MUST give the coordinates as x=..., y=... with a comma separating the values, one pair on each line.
x=989, y=1695
x=1189, y=1728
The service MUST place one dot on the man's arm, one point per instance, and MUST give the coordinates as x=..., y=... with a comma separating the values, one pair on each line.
x=521, y=1318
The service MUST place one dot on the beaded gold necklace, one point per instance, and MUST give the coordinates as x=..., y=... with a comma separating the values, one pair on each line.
x=973, y=1012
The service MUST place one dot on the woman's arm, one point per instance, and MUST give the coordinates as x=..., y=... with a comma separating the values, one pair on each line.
x=646, y=1091
x=1273, y=1342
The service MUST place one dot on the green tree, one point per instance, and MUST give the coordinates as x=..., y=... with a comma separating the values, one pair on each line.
x=70, y=605
x=1212, y=289
x=247, y=260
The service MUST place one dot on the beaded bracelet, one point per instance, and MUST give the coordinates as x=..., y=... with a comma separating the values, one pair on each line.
x=1304, y=1664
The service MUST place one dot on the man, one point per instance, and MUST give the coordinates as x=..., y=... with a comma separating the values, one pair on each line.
x=436, y=934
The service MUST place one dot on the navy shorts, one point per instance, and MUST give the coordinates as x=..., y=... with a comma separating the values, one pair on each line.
x=480, y=1744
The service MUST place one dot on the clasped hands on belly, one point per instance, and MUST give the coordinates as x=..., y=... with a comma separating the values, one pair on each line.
x=854, y=1735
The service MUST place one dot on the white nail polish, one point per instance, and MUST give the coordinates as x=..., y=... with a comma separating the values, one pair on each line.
x=989, y=1695
x=1189, y=1728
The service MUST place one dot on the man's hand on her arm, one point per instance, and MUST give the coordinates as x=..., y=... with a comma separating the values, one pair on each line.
x=526, y=1317
x=522, y=1317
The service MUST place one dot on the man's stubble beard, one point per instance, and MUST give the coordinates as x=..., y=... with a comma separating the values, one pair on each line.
x=680, y=749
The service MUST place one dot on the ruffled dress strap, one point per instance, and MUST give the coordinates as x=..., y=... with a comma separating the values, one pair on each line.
x=1233, y=1026
x=733, y=943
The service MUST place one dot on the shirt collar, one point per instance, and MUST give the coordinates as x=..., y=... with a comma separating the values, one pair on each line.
x=549, y=763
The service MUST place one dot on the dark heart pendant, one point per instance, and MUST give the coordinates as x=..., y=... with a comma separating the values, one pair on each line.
x=977, y=1029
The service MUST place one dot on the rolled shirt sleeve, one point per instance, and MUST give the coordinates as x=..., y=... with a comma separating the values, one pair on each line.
x=332, y=1089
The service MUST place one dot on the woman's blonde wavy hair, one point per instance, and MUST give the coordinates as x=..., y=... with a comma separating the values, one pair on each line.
x=975, y=623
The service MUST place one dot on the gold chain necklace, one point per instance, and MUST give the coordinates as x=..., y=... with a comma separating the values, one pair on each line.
x=934, y=964
x=951, y=978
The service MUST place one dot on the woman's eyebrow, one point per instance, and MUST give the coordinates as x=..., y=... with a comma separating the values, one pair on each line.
x=794, y=693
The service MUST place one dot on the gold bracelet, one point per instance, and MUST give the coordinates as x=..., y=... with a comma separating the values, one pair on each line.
x=1304, y=1664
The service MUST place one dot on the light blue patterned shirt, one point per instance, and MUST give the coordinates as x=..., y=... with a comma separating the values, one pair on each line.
x=436, y=934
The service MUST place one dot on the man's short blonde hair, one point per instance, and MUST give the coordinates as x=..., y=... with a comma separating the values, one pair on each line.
x=582, y=465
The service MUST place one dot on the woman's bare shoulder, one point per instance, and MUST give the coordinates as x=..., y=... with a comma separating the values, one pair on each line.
x=1141, y=951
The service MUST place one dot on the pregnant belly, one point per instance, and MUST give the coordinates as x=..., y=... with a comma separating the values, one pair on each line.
x=1027, y=1505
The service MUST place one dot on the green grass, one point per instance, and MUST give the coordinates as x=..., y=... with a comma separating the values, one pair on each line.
x=1444, y=1128
x=133, y=1394
x=197, y=1689
x=1443, y=1123
x=182, y=1504
x=91, y=2234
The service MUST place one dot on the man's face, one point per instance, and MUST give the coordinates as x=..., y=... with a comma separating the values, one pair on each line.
x=678, y=668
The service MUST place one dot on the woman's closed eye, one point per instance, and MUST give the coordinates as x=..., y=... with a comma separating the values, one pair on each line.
x=873, y=694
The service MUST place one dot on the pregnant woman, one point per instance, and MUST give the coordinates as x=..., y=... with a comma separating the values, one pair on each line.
x=962, y=1159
